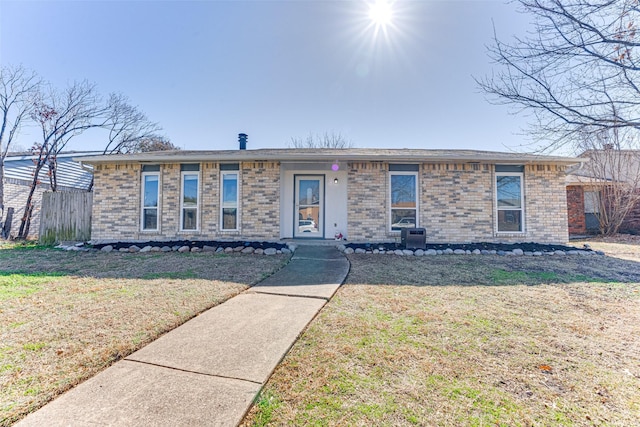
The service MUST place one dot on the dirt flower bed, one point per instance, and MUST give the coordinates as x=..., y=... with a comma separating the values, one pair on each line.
x=467, y=341
x=65, y=316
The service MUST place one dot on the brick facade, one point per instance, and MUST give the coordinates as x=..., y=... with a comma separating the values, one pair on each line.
x=367, y=204
x=575, y=210
x=260, y=200
x=117, y=203
x=456, y=203
x=631, y=223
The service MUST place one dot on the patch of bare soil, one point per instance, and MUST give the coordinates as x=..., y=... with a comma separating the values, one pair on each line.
x=65, y=316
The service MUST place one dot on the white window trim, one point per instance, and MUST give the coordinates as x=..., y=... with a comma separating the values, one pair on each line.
x=237, y=203
x=182, y=207
x=417, y=208
x=142, y=206
x=495, y=198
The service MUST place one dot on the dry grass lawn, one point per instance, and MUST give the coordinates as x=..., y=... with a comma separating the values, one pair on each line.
x=467, y=341
x=64, y=316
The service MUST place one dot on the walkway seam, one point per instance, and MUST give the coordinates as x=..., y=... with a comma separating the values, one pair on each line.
x=192, y=372
x=251, y=291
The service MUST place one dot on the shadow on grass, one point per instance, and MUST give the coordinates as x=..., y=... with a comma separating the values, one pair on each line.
x=34, y=261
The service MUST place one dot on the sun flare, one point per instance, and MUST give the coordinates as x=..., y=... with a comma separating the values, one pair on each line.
x=380, y=13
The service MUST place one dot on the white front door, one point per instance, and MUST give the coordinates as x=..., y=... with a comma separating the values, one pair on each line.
x=309, y=206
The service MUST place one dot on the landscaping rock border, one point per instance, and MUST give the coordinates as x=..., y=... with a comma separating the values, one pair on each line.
x=184, y=246
x=484, y=248
x=273, y=248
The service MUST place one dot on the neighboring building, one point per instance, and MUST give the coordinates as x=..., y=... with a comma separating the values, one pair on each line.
x=585, y=185
x=18, y=174
x=362, y=194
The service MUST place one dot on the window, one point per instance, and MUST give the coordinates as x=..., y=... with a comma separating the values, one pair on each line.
x=509, y=199
x=591, y=202
x=189, y=201
x=403, y=187
x=229, y=202
x=150, y=196
x=592, y=210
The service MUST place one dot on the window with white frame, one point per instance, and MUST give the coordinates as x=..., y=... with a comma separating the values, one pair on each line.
x=403, y=195
x=150, y=196
x=509, y=198
x=229, y=196
x=189, y=177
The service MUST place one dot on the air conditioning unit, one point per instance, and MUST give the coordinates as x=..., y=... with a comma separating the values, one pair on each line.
x=413, y=238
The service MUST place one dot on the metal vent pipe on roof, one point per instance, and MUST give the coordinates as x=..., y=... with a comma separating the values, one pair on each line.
x=242, y=139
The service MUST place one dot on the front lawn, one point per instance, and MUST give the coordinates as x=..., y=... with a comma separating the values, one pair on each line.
x=64, y=316
x=467, y=341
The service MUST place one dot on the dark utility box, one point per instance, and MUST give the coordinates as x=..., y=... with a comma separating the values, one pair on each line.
x=413, y=238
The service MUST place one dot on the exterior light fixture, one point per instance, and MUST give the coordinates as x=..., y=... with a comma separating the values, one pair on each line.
x=335, y=180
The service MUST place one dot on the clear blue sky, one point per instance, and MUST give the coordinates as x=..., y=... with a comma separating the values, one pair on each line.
x=208, y=70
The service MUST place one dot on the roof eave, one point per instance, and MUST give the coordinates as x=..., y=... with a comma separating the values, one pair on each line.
x=306, y=157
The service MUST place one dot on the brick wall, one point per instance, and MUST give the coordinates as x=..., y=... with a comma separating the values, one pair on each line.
x=457, y=203
x=210, y=198
x=116, y=202
x=575, y=209
x=546, y=204
x=116, y=209
x=631, y=223
x=367, y=190
x=260, y=200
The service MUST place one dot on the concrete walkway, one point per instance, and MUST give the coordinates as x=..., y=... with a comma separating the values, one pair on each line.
x=208, y=371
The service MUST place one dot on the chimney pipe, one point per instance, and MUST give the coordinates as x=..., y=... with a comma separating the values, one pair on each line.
x=242, y=139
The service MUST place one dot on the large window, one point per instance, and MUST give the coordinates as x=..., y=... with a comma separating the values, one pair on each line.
x=150, y=196
x=509, y=199
x=403, y=186
x=229, y=196
x=189, y=174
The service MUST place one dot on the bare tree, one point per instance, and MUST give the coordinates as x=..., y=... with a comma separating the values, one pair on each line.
x=61, y=116
x=326, y=140
x=576, y=73
x=127, y=127
x=17, y=88
x=615, y=172
x=155, y=143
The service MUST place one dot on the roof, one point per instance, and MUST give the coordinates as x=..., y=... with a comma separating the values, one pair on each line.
x=610, y=166
x=346, y=154
x=71, y=173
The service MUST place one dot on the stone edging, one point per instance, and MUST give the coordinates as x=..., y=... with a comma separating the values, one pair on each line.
x=258, y=249
x=428, y=252
x=232, y=247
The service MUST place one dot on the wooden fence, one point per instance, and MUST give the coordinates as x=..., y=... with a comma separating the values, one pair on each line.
x=65, y=216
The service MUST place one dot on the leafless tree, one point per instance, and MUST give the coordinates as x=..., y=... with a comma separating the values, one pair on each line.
x=326, y=140
x=576, y=73
x=127, y=127
x=61, y=116
x=17, y=88
x=155, y=143
x=614, y=171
